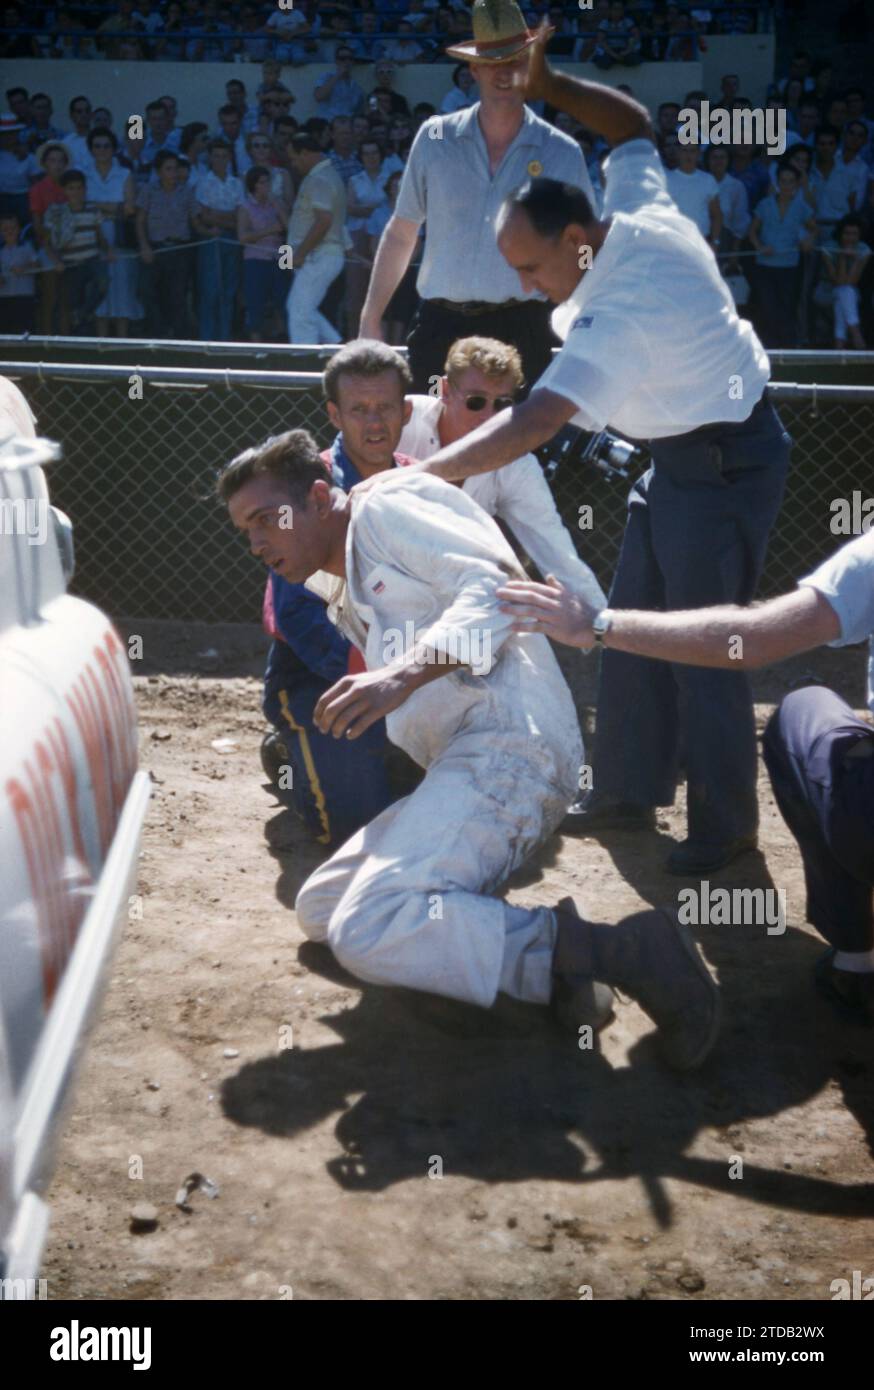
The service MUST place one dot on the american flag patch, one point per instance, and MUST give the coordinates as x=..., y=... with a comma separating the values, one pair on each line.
x=378, y=587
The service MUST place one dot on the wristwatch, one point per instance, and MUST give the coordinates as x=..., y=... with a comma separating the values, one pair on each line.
x=601, y=624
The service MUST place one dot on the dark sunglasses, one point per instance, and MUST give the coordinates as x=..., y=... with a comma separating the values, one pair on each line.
x=476, y=403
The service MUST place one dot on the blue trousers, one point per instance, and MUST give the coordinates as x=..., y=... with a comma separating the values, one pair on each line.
x=827, y=800
x=218, y=274
x=337, y=785
x=696, y=535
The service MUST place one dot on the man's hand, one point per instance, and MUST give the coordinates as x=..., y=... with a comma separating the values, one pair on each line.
x=356, y=702
x=383, y=475
x=549, y=608
x=539, y=71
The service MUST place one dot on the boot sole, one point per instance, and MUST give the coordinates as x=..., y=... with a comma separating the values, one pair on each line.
x=595, y=1017
x=690, y=946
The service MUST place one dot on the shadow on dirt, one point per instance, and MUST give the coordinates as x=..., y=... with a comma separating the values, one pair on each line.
x=500, y=1096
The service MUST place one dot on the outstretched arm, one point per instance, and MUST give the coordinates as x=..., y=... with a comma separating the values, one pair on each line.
x=727, y=636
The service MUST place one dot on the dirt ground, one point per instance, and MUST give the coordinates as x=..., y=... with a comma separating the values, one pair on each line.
x=325, y=1110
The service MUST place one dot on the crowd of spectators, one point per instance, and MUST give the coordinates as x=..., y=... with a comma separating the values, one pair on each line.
x=261, y=222
x=405, y=31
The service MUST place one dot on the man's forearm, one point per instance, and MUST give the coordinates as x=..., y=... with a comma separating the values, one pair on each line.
x=503, y=438
x=728, y=637
x=608, y=113
x=393, y=255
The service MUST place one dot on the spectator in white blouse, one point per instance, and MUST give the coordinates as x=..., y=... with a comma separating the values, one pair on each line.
x=463, y=91
x=732, y=198
x=219, y=193
x=696, y=193
x=111, y=189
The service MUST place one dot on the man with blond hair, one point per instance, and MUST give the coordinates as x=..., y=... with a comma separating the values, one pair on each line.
x=482, y=376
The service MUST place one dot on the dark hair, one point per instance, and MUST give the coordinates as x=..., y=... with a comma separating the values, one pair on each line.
x=372, y=140
x=256, y=172
x=41, y=96
x=235, y=82
x=316, y=125
x=851, y=219
x=228, y=110
x=190, y=133
x=335, y=120
x=161, y=159
x=71, y=176
x=829, y=130
x=218, y=144
x=459, y=68
x=292, y=457
x=550, y=206
x=156, y=106
x=101, y=132
x=793, y=149
x=364, y=357
x=785, y=167
x=75, y=99
x=15, y=91
x=304, y=143
x=286, y=120
x=854, y=121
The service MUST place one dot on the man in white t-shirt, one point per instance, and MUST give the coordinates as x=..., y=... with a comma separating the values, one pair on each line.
x=819, y=753
x=653, y=347
x=696, y=193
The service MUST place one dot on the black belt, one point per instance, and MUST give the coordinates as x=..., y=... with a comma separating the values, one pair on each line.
x=471, y=308
x=763, y=401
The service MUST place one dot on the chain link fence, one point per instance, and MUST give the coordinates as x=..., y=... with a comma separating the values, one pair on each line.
x=136, y=479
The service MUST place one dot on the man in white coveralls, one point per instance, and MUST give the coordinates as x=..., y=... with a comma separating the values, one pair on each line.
x=404, y=901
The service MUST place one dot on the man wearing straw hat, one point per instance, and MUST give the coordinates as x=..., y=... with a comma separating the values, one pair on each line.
x=460, y=170
x=653, y=347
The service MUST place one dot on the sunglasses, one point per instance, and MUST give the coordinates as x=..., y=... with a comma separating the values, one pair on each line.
x=477, y=403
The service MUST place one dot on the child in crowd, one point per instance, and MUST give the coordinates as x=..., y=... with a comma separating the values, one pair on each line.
x=18, y=262
x=78, y=247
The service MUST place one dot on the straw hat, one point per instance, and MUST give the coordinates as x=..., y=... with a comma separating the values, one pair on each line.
x=499, y=34
x=10, y=123
x=50, y=145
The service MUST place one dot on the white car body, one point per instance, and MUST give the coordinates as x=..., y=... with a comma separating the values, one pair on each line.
x=72, y=806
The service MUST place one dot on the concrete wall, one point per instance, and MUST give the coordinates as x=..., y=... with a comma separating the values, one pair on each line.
x=200, y=88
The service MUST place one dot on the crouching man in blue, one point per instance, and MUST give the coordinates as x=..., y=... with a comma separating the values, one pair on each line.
x=819, y=753
x=335, y=787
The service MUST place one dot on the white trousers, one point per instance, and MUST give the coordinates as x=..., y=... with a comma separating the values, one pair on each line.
x=403, y=901
x=846, y=309
x=309, y=287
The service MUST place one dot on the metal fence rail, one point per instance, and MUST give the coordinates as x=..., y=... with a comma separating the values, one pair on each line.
x=136, y=478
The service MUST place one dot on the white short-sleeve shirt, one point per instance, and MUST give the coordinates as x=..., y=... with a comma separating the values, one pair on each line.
x=693, y=194
x=653, y=345
x=846, y=582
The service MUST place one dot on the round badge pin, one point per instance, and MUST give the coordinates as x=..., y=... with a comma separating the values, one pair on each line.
x=535, y=168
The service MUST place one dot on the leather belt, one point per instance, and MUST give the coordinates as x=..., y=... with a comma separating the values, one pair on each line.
x=471, y=308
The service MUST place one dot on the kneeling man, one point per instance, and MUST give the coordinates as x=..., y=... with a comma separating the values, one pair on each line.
x=416, y=565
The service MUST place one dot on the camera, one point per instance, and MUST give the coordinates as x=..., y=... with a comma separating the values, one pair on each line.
x=613, y=456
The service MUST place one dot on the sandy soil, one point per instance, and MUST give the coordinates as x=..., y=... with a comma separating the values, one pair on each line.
x=561, y=1168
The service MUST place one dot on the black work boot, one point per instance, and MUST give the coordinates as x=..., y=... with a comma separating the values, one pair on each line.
x=579, y=1000
x=652, y=957
x=589, y=817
